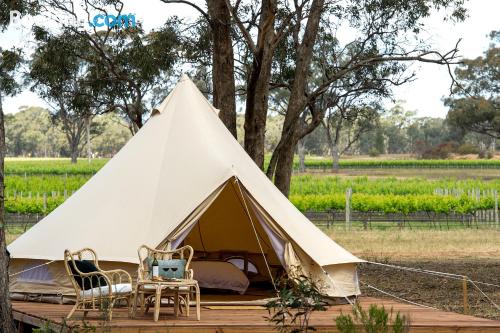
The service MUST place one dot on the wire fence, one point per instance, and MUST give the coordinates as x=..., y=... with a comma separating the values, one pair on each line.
x=416, y=220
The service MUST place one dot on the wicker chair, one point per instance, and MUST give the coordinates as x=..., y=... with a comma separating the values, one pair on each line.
x=96, y=289
x=145, y=293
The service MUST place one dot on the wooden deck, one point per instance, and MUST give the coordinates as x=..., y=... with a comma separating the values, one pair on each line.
x=229, y=319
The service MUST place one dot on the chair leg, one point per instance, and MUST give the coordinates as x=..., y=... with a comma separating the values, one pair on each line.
x=134, y=302
x=143, y=304
x=72, y=311
x=130, y=304
x=187, y=304
x=147, y=304
x=110, y=310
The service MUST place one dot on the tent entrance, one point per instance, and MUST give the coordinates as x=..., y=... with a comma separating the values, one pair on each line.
x=230, y=230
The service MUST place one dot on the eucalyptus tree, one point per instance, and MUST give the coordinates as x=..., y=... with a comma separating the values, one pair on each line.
x=66, y=83
x=130, y=67
x=10, y=61
x=475, y=107
x=215, y=23
x=375, y=51
x=382, y=38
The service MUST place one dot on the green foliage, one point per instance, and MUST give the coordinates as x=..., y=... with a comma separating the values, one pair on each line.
x=388, y=195
x=308, y=192
x=10, y=60
x=30, y=132
x=375, y=320
x=389, y=203
x=467, y=148
x=476, y=105
x=298, y=298
x=373, y=152
x=52, y=166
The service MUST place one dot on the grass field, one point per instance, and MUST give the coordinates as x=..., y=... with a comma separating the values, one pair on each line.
x=398, y=245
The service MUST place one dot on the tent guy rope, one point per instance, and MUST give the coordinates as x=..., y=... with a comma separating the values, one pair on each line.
x=31, y=268
x=256, y=234
x=436, y=273
x=396, y=297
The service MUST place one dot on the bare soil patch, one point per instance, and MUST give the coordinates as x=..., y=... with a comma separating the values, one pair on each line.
x=441, y=293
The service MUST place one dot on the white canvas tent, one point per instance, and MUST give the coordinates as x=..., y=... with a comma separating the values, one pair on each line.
x=182, y=169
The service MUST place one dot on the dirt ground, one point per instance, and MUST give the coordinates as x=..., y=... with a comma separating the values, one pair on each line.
x=470, y=252
x=438, y=292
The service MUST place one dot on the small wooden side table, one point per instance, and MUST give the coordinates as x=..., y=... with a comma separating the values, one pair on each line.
x=162, y=285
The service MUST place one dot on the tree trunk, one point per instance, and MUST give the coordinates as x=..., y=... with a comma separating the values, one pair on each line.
x=284, y=167
x=74, y=142
x=333, y=141
x=223, y=63
x=6, y=321
x=257, y=92
x=297, y=102
x=493, y=146
x=334, y=150
x=74, y=156
x=301, y=149
x=89, y=148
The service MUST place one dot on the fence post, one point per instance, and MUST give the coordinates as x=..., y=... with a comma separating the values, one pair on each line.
x=495, y=195
x=44, y=202
x=466, y=297
x=348, y=195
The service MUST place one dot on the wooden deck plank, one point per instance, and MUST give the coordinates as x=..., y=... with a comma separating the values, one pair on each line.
x=233, y=320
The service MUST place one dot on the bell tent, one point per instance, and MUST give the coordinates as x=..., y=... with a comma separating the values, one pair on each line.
x=182, y=178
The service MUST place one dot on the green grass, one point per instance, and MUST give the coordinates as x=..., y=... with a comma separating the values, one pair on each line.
x=52, y=166
x=57, y=166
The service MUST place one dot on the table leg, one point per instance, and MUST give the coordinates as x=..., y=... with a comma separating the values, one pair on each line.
x=176, y=302
x=157, y=303
x=134, y=304
x=197, y=302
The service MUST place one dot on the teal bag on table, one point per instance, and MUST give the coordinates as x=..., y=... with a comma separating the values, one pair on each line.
x=169, y=269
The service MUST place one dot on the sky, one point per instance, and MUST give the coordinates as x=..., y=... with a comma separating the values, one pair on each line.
x=424, y=95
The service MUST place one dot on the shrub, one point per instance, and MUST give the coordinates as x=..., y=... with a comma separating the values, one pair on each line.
x=466, y=149
x=373, y=152
x=297, y=299
x=441, y=151
x=376, y=320
x=487, y=154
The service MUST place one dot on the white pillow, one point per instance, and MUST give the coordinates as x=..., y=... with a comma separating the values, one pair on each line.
x=219, y=275
x=118, y=289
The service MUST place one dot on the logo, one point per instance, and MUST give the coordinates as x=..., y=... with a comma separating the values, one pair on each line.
x=113, y=21
x=98, y=21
